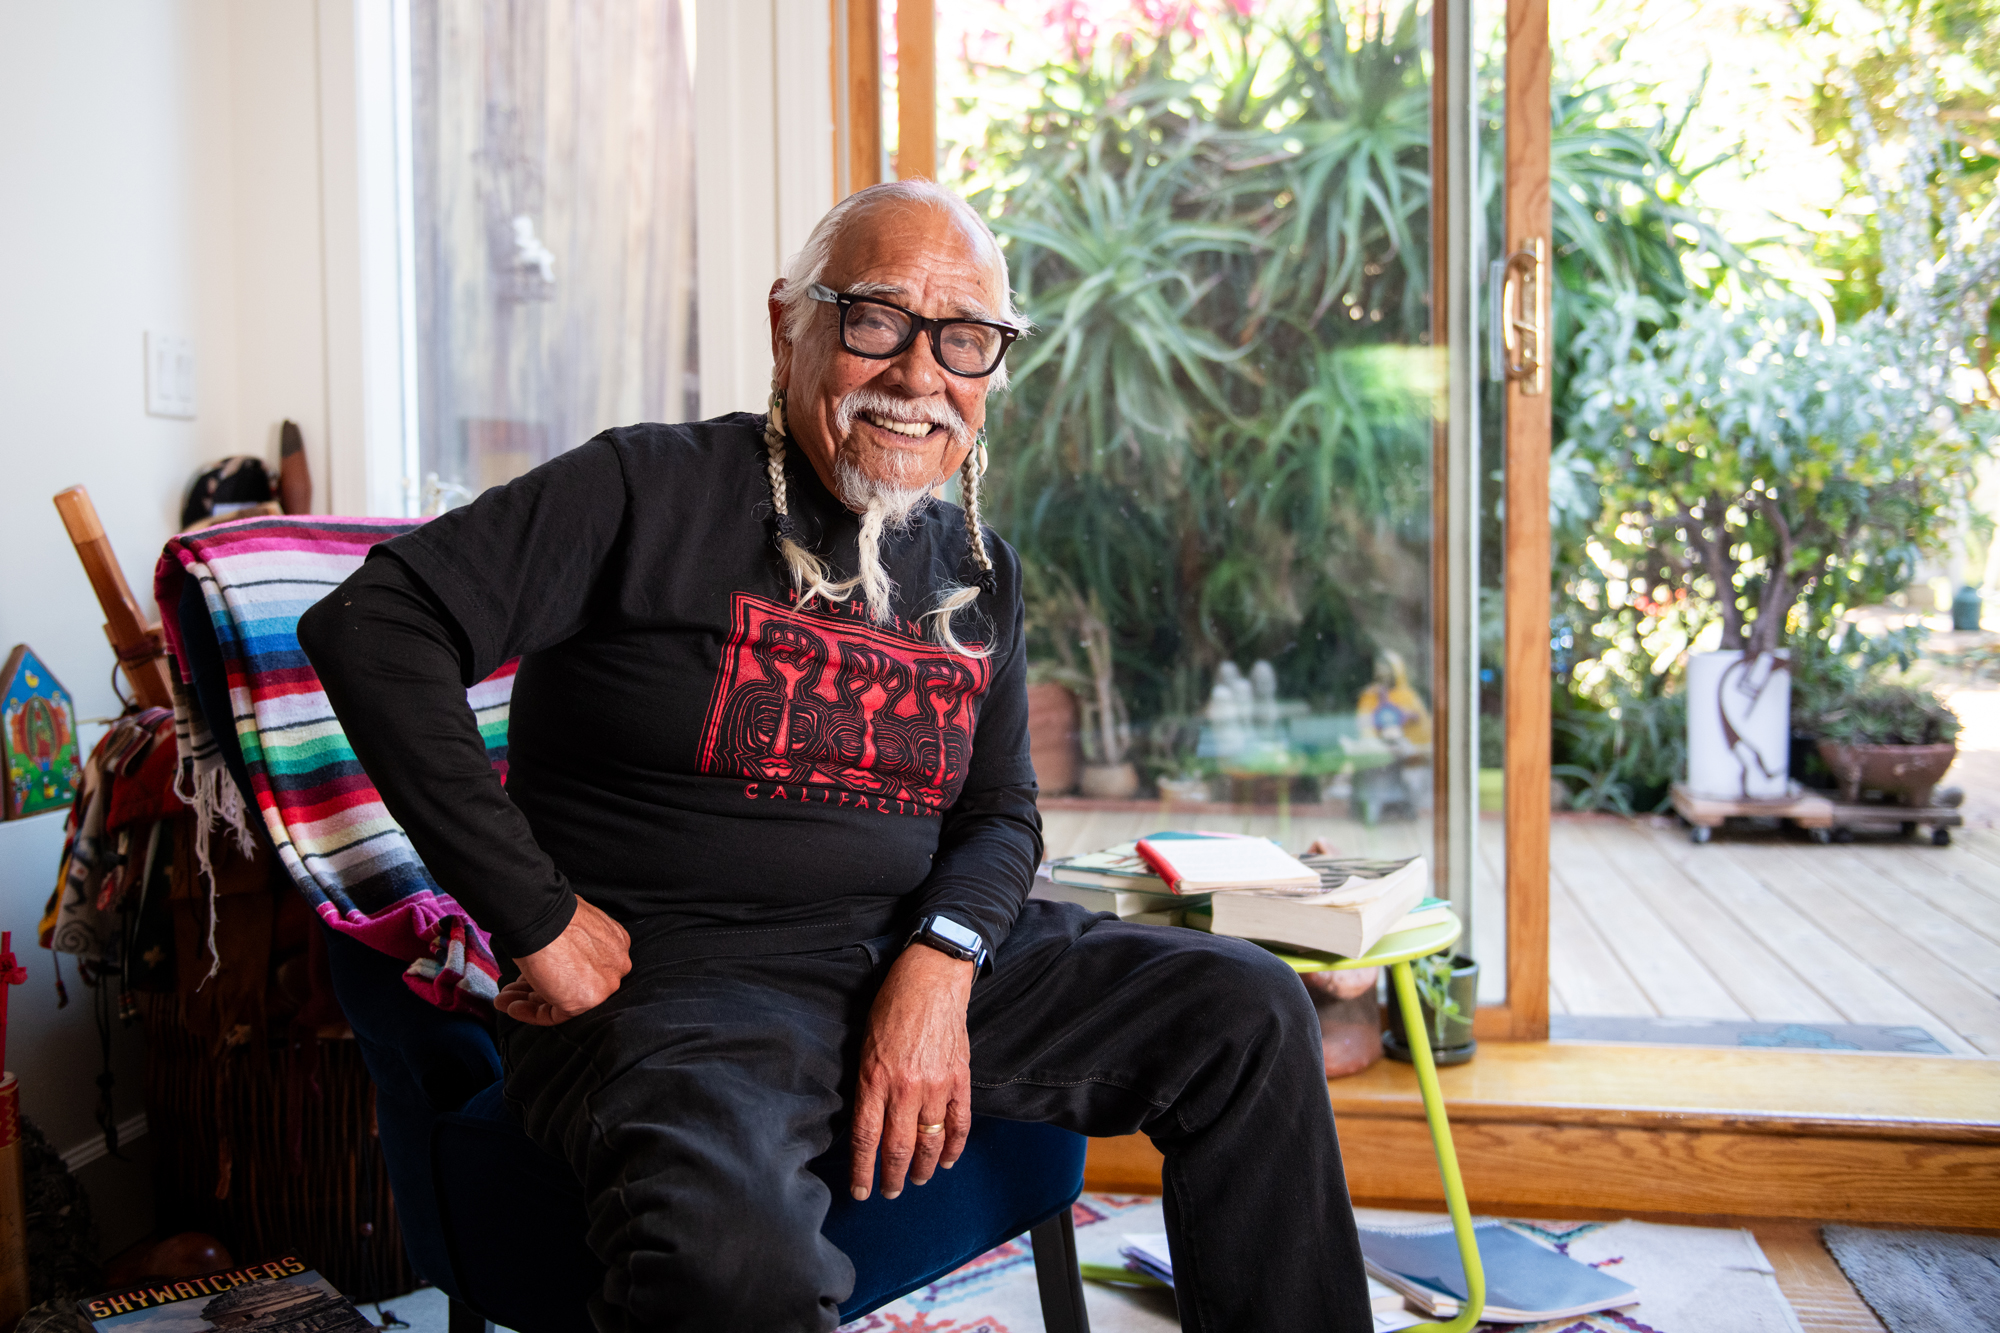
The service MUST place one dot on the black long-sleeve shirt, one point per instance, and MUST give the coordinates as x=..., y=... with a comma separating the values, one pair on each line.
x=689, y=749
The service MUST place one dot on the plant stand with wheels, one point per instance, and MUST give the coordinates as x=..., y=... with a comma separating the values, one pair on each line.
x=1825, y=819
x=1705, y=814
x=1396, y=952
x=1851, y=815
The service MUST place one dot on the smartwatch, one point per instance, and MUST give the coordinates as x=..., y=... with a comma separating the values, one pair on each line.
x=950, y=938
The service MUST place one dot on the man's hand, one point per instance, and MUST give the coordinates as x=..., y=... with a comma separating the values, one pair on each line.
x=571, y=974
x=916, y=1069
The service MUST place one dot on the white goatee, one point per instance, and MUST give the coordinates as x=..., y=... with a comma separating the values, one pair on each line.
x=885, y=507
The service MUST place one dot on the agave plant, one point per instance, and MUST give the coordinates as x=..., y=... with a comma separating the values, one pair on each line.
x=1222, y=435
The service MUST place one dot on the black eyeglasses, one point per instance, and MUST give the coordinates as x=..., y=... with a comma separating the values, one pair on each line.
x=880, y=330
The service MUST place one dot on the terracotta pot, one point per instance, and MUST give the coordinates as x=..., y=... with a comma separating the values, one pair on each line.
x=1110, y=782
x=1052, y=738
x=1907, y=772
x=1350, y=1033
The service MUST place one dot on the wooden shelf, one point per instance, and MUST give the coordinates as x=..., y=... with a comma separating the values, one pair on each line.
x=1821, y=1093
x=1680, y=1130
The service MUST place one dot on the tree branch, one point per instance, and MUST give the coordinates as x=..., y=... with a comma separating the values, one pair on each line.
x=1712, y=546
x=1774, y=607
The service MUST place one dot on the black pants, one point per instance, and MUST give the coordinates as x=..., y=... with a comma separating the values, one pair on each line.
x=691, y=1102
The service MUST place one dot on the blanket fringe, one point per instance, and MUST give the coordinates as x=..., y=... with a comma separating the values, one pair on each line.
x=215, y=800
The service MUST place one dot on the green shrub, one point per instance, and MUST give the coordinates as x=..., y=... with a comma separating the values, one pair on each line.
x=1624, y=755
x=1886, y=712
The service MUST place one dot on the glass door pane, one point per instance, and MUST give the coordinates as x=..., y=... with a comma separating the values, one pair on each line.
x=553, y=203
x=1215, y=458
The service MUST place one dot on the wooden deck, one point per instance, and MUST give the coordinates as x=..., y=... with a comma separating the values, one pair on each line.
x=1759, y=927
x=1772, y=928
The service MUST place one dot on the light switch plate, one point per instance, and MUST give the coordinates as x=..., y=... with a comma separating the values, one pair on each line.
x=170, y=375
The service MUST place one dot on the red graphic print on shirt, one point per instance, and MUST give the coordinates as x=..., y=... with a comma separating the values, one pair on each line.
x=823, y=705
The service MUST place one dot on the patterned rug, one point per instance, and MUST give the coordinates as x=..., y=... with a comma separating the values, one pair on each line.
x=995, y=1293
x=1692, y=1279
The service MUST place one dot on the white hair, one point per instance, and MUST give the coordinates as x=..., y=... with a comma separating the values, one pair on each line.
x=808, y=266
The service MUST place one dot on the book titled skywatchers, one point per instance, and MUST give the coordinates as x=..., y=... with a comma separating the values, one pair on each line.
x=282, y=1296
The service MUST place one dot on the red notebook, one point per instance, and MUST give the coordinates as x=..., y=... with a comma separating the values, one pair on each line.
x=1219, y=864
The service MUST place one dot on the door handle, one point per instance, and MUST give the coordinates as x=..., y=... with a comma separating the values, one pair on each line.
x=1523, y=318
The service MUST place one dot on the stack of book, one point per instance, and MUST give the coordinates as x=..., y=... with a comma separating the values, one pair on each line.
x=1249, y=887
x=1115, y=880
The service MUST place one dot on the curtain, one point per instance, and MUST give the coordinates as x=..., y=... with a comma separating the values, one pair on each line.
x=553, y=163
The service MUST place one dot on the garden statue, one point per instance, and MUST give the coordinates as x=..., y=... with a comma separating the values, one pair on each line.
x=1394, y=745
x=1389, y=708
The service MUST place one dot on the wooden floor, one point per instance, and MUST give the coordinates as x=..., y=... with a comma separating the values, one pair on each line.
x=1773, y=928
x=1761, y=927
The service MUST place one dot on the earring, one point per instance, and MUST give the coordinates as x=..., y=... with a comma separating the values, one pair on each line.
x=979, y=456
x=776, y=410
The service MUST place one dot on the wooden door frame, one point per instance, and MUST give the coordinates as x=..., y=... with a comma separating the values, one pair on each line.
x=1525, y=684
x=1524, y=1014
x=857, y=94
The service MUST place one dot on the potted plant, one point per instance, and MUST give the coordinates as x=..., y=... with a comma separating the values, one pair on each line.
x=1890, y=737
x=1745, y=460
x=1076, y=619
x=1447, y=992
x=1054, y=728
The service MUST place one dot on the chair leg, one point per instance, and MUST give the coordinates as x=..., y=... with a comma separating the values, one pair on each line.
x=465, y=1319
x=1405, y=983
x=1057, y=1277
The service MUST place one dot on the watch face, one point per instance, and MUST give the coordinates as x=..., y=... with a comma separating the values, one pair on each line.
x=966, y=938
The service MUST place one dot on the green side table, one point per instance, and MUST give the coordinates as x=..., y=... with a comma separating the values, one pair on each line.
x=1396, y=952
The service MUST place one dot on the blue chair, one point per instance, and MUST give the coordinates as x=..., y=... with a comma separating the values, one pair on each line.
x=498, y=1224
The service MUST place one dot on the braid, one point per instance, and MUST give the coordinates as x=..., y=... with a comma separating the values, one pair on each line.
x=810, y=575
x=774, y=466
x=876, y=585
x=969, y=473
x=954, y=600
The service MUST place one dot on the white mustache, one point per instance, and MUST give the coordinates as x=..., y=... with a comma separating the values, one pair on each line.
x=937, y=412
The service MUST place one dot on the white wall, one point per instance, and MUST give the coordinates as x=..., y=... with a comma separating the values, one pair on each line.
x=160, y=165
x=195, y=167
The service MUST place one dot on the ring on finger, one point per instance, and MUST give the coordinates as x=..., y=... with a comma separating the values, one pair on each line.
x=930, y=1131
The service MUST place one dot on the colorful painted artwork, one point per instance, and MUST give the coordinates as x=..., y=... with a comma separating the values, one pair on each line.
x=37, y=737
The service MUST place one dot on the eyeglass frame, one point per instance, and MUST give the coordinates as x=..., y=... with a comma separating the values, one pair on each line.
x=919, y=324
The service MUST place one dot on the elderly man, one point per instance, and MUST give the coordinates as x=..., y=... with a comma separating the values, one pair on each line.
x=763, y=856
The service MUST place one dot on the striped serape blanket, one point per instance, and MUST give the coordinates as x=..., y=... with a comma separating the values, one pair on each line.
x=334, y=836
